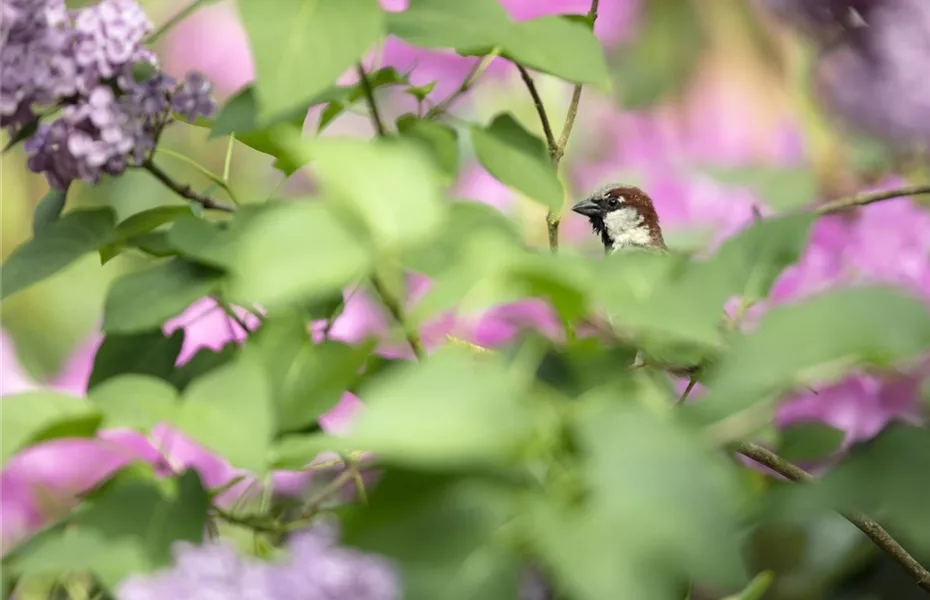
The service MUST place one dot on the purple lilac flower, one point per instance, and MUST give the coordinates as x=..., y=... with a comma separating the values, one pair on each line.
x=109, y=35
x=193, y=97
x=316, y=568
x=821, y=17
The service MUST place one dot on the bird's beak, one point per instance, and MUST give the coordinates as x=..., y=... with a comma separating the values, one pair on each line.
x=587, y=207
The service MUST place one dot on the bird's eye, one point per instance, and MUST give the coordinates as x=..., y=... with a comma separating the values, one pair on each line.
x=613, y=202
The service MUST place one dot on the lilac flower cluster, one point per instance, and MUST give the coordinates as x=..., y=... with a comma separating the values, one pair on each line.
x=317, y=569
x=85, y=63
x=868, y=71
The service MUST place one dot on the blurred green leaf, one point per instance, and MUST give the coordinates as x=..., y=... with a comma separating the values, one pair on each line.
x=815, y=340
x=420, y=92
x=202, y=362
x=135, y=401
x=48, y=210
x=389, y=184
x=146, y=353
x=321, y=38
x=201, y=241
x=130, y=230
x=450, y=23
x=294, y=452
x=145, y=299
x=639, y=467
x=805, y=441
x=754, y=258
x=386, y=76
x=31, y=417
x=518, y=159
x=437, y=140
x=451, y=410
x=661, y=57
x=559, y=46
x=230, y=411
x=782, y=189
x=59, y=244
x=446, y=534
x=296, y=252
x=308, y=379
x=756, y=589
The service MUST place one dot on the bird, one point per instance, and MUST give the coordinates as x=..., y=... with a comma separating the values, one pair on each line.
x=625, y=218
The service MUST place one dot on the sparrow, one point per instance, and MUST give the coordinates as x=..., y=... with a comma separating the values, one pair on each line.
x=624, y=217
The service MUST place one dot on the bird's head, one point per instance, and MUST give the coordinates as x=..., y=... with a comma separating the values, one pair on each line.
x=624, y=217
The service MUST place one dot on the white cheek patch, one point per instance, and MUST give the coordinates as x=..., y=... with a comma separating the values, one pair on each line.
x=626, y=228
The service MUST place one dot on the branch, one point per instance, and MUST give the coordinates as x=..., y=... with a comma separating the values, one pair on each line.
x=394, y=307
x=557, y=148
x=865, y=199
x=370, y=98
x=184, y=190
x=473, y=75
x=873, y=530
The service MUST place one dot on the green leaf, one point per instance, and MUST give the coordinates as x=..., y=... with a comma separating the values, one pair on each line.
x=201, y=241
x=805, y=441
x=781, y=189
x=60, y=244
x=438, y=140
x=136, y=401
x=450, y=23
x=143, y=300
x=308, y=379
x=389, y=184
x=420, y=92
x=296, y=252
x=638, y=467
x=385, y=76
x=754, y=258
x=446, y=535
x=230, y=412
x=451, y=410
x=146, y=353
x=662, y=56
x=321, y=38
x=32, y=417
x=48, y=210
x=518, y=159
x=294, y=452
x=815, y=341
x=130, y=230
x=559, y=46
x=203, y=361
x=756, y=589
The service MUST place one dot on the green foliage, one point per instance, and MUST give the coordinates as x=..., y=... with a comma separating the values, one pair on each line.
x=135, y=401
x=806, y=441
x=55, y=247
x=662, y=55
x=781, y=189
x=48, y=210
x=146, y=353
x=384, y=77
x=30, y=417
x=518, y=159
x=138, y=229
x=438, y=140
x=301, y=47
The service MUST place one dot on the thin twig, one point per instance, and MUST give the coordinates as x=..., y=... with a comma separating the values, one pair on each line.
x=865, y=199
x=173, y=21
x=328, y=490
x=551, y=143
x=184, y=190
x=370, y=97
x=394, y=307
x=873, y=530
x=684, y=396
x=220, y=181
x=227, y=164
x=471, y=78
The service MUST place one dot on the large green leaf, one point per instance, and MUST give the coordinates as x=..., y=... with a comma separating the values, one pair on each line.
x=143, y=300
x=781, y=189
x=630, y=537
x=203, y=361
x=230, y=412
x=201, y=241
x=816, y=340
x=297, y=251
x=559, y=46
x=31, y=417
x=147, y=353
x=451, y=410
x=135, y=401
x=133, y=230
x=58, y=245
x=518, y=159
x=320, y=38
x=438, y=140
x=388, y=184
x=48, y=210
x=451, y=24
x=308, y=379
x=446, y=534
x=663, y=54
